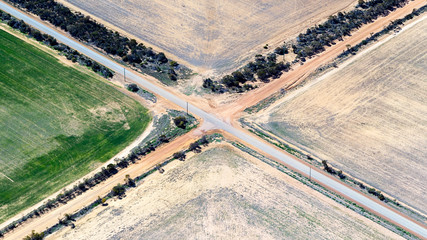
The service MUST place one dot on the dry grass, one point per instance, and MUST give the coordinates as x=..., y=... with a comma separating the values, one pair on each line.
x=211, y=34
x=369, y=118
x=223, y=194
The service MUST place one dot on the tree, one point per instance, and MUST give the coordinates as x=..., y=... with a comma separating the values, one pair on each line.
x=118, y=190
x=327, y=167
x=133, y=87
x=163, y=139
x=162, y=58
x=195, y=147
x=239, y=77
x=280, y=51
x=340, y=174
x=172, y=77
x=204, y=141
x=229, y=81
x=129, y=181
x=180, y=122
x=179, y=155
x=262, y=75
x=35, y=236
x=112, y=168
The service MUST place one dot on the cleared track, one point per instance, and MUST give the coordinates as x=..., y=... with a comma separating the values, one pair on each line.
x=318, y=176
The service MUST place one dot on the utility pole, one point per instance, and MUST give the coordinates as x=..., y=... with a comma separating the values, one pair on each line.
x=187, y=108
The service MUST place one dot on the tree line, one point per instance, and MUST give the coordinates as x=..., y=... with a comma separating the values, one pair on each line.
x=306, y=45
x=392, y=26
x=262, y=69
x=88, y=30
x=119, y=190
x=69, y=53
x=314, y=40
x=105, y=173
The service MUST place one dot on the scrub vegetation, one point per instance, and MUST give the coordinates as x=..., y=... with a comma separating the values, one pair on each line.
x=88, y=30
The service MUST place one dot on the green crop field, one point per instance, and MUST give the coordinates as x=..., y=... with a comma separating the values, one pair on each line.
x=56, y=124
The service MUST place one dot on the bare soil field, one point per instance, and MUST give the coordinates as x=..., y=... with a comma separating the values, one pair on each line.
x=223, y=194
x=368, y=118
x=207, y=34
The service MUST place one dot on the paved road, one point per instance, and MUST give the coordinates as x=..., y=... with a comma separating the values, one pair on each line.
x=278, y=154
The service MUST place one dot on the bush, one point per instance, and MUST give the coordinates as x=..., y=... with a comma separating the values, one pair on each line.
x=118, y=190
x=179, y=155
x=195, y=147
x=180, y=122
x=372, y=191
x=35, y=236
x=133, y=87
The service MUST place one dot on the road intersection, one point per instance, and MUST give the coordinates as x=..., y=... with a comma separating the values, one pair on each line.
x=316, y=175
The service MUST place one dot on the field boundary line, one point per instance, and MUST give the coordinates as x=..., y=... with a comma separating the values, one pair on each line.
x=7, y=177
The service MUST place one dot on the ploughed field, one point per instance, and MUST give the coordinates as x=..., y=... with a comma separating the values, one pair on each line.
x=223, y=193
x=212, y=34
x=368, y=118
x=57, y=123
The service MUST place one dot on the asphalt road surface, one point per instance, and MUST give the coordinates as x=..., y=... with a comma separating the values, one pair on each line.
x=219, y=124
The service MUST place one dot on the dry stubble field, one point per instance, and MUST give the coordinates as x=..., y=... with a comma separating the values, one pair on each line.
x=211, y=34
x=223, y=193
x=368, y=119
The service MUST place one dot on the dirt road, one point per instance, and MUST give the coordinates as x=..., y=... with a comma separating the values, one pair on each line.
x=229, y=113
x=146, y=163
x=288, y=80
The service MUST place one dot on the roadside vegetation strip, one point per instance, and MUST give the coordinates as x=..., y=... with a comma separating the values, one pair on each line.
x=393, y=26
x=69, y=53
x=120, y=189
x=89, y=31
x=163, y=132
x=56, y=123
x=306, y=45
x=206, y=173
x=318, y=133
x=333, y=171
x=330, y=194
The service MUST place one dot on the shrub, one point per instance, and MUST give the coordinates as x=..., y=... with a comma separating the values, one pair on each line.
x=179, y=155
x=118, y=190
x=34, y=236
x=180, y=122
x=195, y=147
x=372, y=191
x=133, y=87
